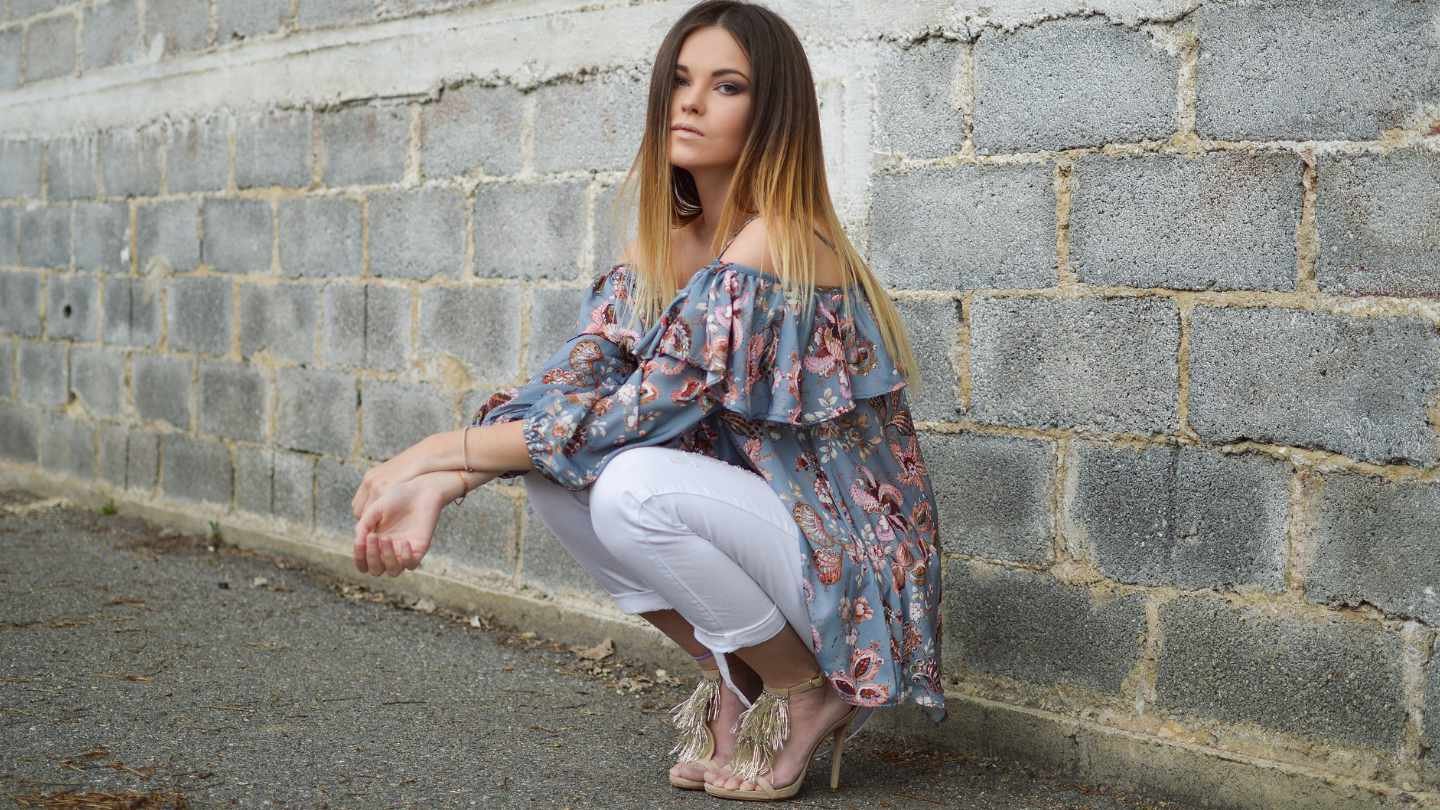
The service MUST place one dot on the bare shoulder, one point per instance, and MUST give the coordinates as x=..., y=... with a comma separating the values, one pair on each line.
x=749, y=248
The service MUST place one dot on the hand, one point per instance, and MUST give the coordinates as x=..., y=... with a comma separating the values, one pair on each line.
x=403, y=467
x=395, y=530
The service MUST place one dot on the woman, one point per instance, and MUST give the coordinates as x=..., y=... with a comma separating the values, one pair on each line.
x=728, y=451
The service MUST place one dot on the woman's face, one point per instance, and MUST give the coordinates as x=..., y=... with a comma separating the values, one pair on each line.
x=712, y=94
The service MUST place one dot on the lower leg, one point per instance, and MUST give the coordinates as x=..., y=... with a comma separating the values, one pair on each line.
x=781, y=661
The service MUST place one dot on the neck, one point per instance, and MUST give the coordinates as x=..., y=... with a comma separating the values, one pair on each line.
x=713, y=185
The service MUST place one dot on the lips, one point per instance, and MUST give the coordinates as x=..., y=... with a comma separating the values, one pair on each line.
x=687, y=129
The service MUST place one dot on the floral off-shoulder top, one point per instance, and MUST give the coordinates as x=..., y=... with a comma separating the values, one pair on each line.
x=811, y=402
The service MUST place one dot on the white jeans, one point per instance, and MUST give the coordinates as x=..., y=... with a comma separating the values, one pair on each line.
x=663, y=528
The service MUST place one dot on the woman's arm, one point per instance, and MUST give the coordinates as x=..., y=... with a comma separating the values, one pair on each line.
x=492, y=449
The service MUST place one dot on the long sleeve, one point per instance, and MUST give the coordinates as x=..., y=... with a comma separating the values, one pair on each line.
x=598, y=358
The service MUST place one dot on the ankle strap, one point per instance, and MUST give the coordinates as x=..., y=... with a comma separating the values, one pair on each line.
x=803, y=686
x=710, y=674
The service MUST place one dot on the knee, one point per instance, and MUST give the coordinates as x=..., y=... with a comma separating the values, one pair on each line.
x=616, y=496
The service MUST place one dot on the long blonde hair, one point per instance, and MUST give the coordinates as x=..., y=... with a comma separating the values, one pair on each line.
x=780, y=175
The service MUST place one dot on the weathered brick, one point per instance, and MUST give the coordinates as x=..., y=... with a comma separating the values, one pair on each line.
x=184, y=24
x=97, y=376
x=198, y=314
x=549, y=215
x=254, y=471
x=365, y=145
x=472, y=126
x=45, y=236
x=478, y=534
x=273, y=149
x=20, y=302
x=232, y=401
x=294, y=485
x=196, y=469
x=72, y=310
x=111, y=34
x=917, y=90
x=316, y=410
x=335, y=486
x=1218, y=221
x=12, y=48
x=130, y=161
x=1106, y=364
x=594, y=125
x=964, y=227
x=1178, y=516
x=239, y=235
x=132, y=314
x=67, y=445
x=102, y=237
x=71, y=167
x=992, y=495
x=1031, y=627
x=397, y=415
x=112, y=441
x=280, y=319
x=142, y=461
x=553, y=321
x=161, y=387
x=167, y=235
x=343, y=325
x=240, y=19
x=478, y=327
x=1071, y=82
x=197, y=153
x=317, y=13
x=44, y=372
x=50, y=48
x=19, y=167
x=1378, y=221
x=1374, y=542
x=1356, y=386
x=319, y=236
x=932, y=326
x=387, y=343
x=417, y=234
x=19, y=433
x=1331, y=678
x=1258, y=75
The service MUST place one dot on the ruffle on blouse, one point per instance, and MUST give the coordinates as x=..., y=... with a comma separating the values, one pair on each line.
x=762, y=357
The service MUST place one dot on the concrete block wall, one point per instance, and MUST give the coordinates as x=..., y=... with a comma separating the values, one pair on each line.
x=1171, y=268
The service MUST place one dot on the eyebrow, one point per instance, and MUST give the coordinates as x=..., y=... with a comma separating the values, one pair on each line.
x=719, y=72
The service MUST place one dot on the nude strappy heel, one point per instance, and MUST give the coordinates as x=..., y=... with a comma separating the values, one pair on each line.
x=694, y=741
x=762, y=731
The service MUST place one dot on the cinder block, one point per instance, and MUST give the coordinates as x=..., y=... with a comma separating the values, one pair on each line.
x=12, y=47
x=280, y=319
x=387, y=343
x=365, y=145
x=198, y=313
x=7, y=367
x=992, y=494
x=1331, y=678
x=589, y=126
x=50, y=48
x=20, y=302
x=45, y=237
x=1258, y=76
x=112, y=459
x=9, y=236
x=97, y=376
x=342, y=324
x=19, y=433
x=73, y=307
x=132, y=314
x=67, y=446
x=196, y=469
x=254, y=470
x=1106, y=364
x=142, y=461
x=112, y=34
x=964, y=227
x=400, y=414
x=19, y=163
x=242, y=19
x=324, y=13
x=316, y=411
x=232, y=401
x=917, y=99
x=472, y=127
x=1180, y=517
x=44, y=372
x=130, y=161
x=72, y=168
x=1355, y=386
x=184, y=24
x=933, y=327
x=335, y=487
x=1078, y=81
x=239, y=235
x=1029, y=626
x=554, y=320
x=1374, y=542
x=479, y=533
x=418, y=234
x=161, y=387
x=478, y=327
x=102, y=237
x=1221, y=221
x=197, y=152
x=549, y=215
x=320, y=237
x=167, y=235
x=1378, y=220
x=273, y=149
x=294, y=488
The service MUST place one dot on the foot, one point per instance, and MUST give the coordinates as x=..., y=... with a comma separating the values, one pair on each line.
x=811, y=713
x=730, y=708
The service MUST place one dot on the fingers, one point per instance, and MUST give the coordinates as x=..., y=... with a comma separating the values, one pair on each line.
x=387, y=555
x=372, y=555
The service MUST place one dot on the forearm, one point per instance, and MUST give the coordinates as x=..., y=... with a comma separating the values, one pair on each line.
x=492, y=449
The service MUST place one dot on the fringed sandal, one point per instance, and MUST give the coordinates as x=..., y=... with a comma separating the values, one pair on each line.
x=762, y=731
x=694, y=741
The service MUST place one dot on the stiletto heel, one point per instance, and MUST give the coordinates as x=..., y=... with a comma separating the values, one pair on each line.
x=762, y=730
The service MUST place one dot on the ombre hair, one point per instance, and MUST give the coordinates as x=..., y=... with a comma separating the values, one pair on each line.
x=780, y=175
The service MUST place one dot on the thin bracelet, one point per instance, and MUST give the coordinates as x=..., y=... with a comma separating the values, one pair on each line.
x=465, y=447
x=464, y=489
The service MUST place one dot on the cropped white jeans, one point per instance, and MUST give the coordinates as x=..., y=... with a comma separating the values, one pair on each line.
x=668, y=529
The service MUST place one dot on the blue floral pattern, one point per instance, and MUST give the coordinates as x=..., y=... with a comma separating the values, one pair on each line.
x=810, y=401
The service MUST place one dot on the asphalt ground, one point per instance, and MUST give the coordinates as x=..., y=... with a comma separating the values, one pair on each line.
x=141, y=667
